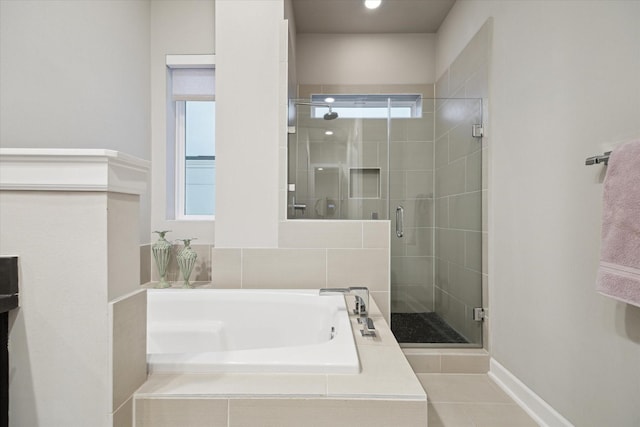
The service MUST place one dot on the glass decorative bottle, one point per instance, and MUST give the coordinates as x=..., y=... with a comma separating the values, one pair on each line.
x=186, y=260
x=161, y=252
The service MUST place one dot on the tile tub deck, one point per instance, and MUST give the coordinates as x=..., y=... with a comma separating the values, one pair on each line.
x=385, y=393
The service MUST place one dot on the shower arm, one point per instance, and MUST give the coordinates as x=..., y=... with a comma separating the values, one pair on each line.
x=314, y=104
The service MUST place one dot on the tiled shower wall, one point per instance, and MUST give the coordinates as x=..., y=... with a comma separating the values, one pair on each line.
x=411, y=183
x=461, y=189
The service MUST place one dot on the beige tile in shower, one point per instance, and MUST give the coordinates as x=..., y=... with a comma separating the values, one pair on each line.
x=181, y=412
x=358, y=267
x=129, y=350
x=473, y=250
x=461, y=143
x=477, y=86
x=449, y=245
x=385, y=372
x=375, y=234
x=412, y=270
x=374, y=130
x=419, y=241
x=410, y=155
x=417, y=212
x=326, y=412
x=441, y=88
x=226, y=266
x=450, y=309
x=465, y=211
x=419, y=184
x=450, y=179
x=442, y=212
x=474, y=172
x=320, y=234
x=441, y=273
x=420, y=129
x=285, y=268
x=418, y=298
x=441, y=147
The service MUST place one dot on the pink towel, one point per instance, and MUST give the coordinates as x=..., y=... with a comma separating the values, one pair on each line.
x=619, y=272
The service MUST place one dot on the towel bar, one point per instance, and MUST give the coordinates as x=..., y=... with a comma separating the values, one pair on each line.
x=594, y=160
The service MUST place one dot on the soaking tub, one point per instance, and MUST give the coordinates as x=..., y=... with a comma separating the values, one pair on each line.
x=216, y=330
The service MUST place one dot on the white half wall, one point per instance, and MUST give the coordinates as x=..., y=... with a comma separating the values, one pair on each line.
x=251, y=85
x=563, y=86
x=365, y=58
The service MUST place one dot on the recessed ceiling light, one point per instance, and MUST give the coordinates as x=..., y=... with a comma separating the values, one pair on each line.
x=328, y=132
x=372, y=4
x=329, y=100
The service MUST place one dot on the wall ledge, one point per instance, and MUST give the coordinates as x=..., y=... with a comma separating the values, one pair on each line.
x=32, y=169
x=527, y=399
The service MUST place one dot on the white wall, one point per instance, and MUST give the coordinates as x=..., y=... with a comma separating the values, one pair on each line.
x=177, y=27
x=251, y=95
x=365, y=58
x=563, y=86
x=76, y=75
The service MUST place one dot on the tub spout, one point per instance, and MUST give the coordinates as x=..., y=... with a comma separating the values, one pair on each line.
x=360, y=292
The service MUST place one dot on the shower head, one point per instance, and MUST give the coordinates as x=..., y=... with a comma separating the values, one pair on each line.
x=331, y=115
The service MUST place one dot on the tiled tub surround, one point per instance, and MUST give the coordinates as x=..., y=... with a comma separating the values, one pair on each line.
x=385, y=393
x=312, y=254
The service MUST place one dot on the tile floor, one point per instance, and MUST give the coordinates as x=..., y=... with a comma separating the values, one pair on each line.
x=470, y=400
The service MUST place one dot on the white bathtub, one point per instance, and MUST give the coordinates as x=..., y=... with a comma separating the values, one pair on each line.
x=215, y=330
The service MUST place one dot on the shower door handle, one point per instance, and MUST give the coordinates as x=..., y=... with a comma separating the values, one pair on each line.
x=399, y=221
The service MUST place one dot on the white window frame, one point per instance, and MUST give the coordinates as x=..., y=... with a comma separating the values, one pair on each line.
x=175, y=62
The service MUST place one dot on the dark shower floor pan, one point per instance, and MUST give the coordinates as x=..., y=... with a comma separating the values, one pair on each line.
x=427, y=328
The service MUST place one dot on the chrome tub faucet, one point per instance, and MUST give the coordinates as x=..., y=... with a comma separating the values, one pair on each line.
x=361, y=294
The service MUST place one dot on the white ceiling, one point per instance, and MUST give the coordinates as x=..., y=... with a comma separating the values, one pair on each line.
x=350, y=16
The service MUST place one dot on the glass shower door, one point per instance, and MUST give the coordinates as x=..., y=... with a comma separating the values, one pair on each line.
x=435, y=187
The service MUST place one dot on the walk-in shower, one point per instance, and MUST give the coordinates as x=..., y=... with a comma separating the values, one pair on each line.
x=418, y=163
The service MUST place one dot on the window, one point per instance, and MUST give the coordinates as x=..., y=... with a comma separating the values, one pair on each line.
x=369, y=106
x=196, y=168
x=193, y=106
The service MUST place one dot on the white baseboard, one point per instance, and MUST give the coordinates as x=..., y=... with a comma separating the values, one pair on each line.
x=533, y=404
